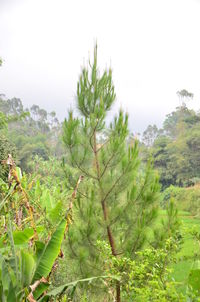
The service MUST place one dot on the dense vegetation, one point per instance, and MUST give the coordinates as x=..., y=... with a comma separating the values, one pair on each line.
x=175, y=147
x=84, y=216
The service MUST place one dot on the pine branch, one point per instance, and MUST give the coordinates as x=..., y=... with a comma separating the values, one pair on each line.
x=82, y=170
x=114, y=185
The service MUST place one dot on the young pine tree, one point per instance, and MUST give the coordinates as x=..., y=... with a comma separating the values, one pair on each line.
x=117, y=200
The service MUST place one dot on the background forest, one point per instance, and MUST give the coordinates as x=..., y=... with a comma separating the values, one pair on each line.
x=89, y=212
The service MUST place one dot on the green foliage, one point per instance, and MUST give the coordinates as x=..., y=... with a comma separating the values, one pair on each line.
x=118, y=198
x=49, y=253
x=3, y=121
x=70, y=287
x=34, y=132
x=147, y=277
x=187, y=199
x=150, y=134
x=95, y=93
x=194, y=274
x=26, y=263
x=117, y=202
x=176, y=148
x=168, y=227
x=28, y=267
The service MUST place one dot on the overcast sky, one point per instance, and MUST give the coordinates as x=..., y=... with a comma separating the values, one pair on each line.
x=153, y=47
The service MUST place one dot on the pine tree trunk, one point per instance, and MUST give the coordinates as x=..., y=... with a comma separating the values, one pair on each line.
x=105, y=214
x=118, y=296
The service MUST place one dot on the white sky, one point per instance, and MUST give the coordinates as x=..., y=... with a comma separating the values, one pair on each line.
x=153, y=47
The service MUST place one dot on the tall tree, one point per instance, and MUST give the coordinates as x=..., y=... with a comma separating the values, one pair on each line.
x=150, y=134
x=117, y=200
x=34, y=131
x=184, y=96
x=176, y=150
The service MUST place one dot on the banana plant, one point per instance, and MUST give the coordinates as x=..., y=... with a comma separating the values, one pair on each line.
x=26, y=270
x=24, y=274
x=26, y=261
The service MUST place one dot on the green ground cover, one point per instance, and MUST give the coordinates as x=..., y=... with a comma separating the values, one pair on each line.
x=189, y=254
x=188, y=257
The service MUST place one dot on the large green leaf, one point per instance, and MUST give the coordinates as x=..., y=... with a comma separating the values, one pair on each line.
x=70, y=286
x=19, y=173
x=49, y=253
x=55, y=214
x=13, y=250
x=21, y=237
x=46, y=201
x=8, y=289
x=40, y=290
x=27, y=268
x=39, y=245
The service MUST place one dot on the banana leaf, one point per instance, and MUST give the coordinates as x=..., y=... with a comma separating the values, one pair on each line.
x=49, y=253
x=72, y=286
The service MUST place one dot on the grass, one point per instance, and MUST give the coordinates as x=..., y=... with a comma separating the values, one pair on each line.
x=187, y=257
